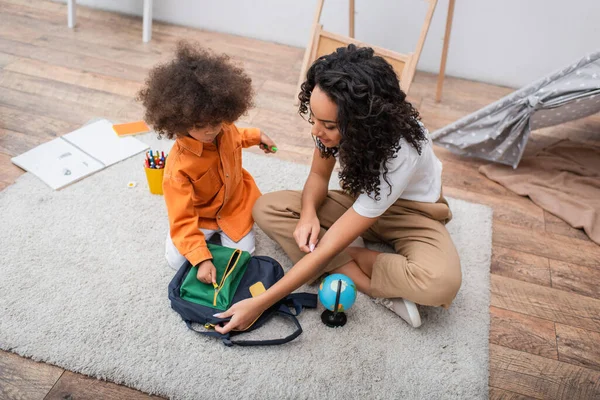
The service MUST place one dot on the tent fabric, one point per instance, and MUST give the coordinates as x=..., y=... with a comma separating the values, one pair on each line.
x=563, y=179
x=499, y=131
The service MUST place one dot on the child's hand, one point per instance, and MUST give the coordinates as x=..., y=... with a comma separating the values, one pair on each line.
x=207, y=272
x=267, y=144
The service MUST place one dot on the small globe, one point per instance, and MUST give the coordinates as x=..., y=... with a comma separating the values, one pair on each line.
x=328, y=291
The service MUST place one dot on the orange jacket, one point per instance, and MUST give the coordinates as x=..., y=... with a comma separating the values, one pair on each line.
x=206, y=187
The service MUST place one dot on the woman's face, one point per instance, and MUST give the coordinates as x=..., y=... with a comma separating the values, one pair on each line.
x=323, y=117
x=206, y=134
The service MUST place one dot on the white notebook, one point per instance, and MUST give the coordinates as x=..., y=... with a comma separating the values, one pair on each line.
x=78, y=154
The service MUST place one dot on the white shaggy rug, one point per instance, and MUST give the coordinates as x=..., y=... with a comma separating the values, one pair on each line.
x=83, y=285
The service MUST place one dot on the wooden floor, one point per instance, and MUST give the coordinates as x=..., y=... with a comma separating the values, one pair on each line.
x=545, y=292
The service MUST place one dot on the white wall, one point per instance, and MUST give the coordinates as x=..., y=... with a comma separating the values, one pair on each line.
x=506, y=42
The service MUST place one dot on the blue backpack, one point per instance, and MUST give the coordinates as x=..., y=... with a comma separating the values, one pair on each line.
x=239, y=276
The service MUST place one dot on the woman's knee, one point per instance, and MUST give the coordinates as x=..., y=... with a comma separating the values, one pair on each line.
x=270, y=205
x=442, y=286
x=261, y=207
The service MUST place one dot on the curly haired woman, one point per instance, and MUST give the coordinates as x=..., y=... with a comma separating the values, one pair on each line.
x=195, y=99
x=392, y=193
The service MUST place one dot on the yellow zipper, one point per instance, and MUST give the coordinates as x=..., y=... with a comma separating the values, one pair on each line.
x=228, y=272
x=212, y=326
x=216, y=292
x=248, y=327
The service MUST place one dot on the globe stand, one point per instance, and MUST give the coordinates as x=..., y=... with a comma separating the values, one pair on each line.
x=334, y=319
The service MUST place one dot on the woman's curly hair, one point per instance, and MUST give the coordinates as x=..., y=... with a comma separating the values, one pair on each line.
x=196, y=89
x=373, y=115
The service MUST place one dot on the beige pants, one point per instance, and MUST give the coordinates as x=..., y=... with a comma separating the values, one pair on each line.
x=425, y=268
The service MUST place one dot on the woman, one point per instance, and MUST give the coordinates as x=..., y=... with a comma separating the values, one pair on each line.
x=391, y=181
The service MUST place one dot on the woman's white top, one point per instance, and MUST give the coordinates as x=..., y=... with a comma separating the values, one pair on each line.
x=412, y=176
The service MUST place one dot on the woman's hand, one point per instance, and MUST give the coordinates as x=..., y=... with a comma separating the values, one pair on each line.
x=306, y=233
x=242, y=313
x=267, y=144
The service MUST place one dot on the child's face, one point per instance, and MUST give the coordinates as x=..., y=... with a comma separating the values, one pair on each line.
x=206, y=134
x=324, y=118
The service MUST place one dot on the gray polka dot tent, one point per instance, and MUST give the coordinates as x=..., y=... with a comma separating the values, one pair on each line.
x=499, y=131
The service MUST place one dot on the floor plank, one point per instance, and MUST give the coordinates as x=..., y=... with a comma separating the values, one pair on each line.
x=501, y=394
x=581, y=130
x=288, y=128
x=65, y=59
x=8, y=171
x=469, y=95
x=14, y=143
x=22, y=378
x=523, y=332
x=78, y=100
x=33, y=22
x=434, y=118
x=508, y=209
x=540, y=377
x=96, y=26
x=75, y=77
x=31, y=123
x=129, y=56
x=6, y=59
x=578, y=346
x=80, y=387
x=104, y=28
x=8, y=31
x=276, y=96
x=544, y=244
x=557, y=225
x=70, y=112
x=546, y=303
x=538, y=141
x=519, y=265
x=24, y=8
x=462, y=173
x=576, y=278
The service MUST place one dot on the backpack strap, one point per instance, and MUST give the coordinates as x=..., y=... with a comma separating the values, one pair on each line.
x=283, y=310
x=295, y=300
x=304, y=300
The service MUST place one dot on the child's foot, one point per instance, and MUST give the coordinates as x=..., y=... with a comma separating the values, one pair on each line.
x=405, y=309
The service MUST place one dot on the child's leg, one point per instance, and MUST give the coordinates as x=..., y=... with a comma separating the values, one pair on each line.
x=247, y=243
x=173, y=256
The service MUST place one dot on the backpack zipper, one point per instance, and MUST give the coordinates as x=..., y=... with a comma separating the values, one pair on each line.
x=231, y=264
x=216, y=292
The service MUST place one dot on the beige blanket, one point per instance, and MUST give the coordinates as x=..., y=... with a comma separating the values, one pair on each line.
x=563, y=179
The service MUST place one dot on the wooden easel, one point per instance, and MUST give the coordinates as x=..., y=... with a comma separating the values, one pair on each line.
x=440, y=82
x=322, y=42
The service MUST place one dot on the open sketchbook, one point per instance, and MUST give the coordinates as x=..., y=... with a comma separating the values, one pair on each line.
x=78, y=154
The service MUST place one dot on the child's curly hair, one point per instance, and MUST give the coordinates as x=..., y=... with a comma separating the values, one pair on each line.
x=196, y=89
x=373, y=114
